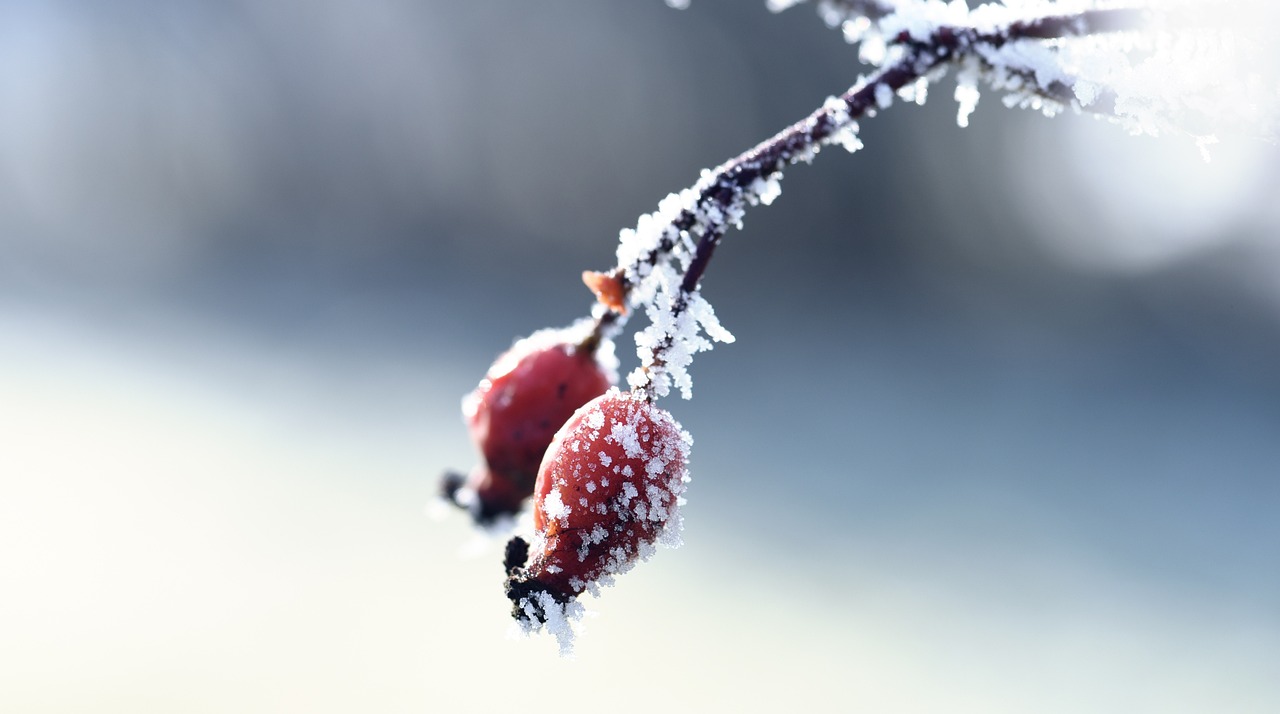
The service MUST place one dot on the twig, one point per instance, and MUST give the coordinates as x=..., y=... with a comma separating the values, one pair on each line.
x=662, y=260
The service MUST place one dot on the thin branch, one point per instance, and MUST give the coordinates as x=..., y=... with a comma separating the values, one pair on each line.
x=722, y=196
x=679, y=239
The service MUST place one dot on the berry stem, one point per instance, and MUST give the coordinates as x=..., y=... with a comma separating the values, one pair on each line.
x=608, y=323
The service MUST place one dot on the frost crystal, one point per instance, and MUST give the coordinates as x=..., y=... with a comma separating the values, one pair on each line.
x=557, y=618
x=1197, y=67
x=554, y=505
x=657, y=253
x=967, y=93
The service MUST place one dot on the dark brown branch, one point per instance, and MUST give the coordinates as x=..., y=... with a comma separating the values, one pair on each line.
x=724, y=193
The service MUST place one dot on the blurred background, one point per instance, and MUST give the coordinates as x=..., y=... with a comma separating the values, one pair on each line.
x=1000, y=433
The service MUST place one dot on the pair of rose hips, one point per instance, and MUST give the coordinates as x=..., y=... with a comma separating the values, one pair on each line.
x=606, y=469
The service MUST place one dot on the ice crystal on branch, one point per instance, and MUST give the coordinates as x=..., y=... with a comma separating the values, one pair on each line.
x=1180, y=67
x=1154, y=67
x=1127, y=62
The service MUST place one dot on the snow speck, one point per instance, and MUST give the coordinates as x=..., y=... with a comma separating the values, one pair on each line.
x=967, y=93
x=554, y=506
x=884, y=95
x=625, y=435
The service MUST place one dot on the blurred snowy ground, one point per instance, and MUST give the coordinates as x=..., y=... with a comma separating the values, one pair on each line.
x=1000, y=432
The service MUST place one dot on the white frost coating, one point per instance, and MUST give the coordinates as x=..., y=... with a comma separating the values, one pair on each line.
x=554, y=506
x=625, y=435
x=678, y=334
x=917, y=91
x=846, y=129
x=765, y=190
x=566, y=337
x=1212, y=69
x=854, y=30
x=629, y=492
x=706, y=316
x=847, y=137
x=884, y=96
x=967, y=93
x=654, y=466
x=560, y=618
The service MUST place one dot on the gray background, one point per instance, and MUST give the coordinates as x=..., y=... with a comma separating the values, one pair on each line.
x=999, y=433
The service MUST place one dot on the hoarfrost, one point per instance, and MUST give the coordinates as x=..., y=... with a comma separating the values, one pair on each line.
x=1210, y=69
x=565, y=338
x=557, y=618
x=554, y=506
x=847, y=137
x=884, y=96
x=629, y=492
x=917, y=91
x=625, y=435
x=676, y=333
x=967, y=93
x=765, y=190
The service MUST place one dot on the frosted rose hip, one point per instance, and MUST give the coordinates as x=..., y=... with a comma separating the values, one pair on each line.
x=608, y=489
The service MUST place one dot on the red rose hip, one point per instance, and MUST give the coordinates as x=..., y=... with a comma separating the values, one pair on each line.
x=609, y=487
x=512, y=415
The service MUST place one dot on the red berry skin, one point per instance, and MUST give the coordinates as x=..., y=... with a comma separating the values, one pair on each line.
x=609, y=487
x=512, y=415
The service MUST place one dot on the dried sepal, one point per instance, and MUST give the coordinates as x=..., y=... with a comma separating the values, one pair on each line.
x=608, y=288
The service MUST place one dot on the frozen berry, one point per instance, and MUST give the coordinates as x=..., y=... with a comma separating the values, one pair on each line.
x=608, y=489
x=528, y=393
